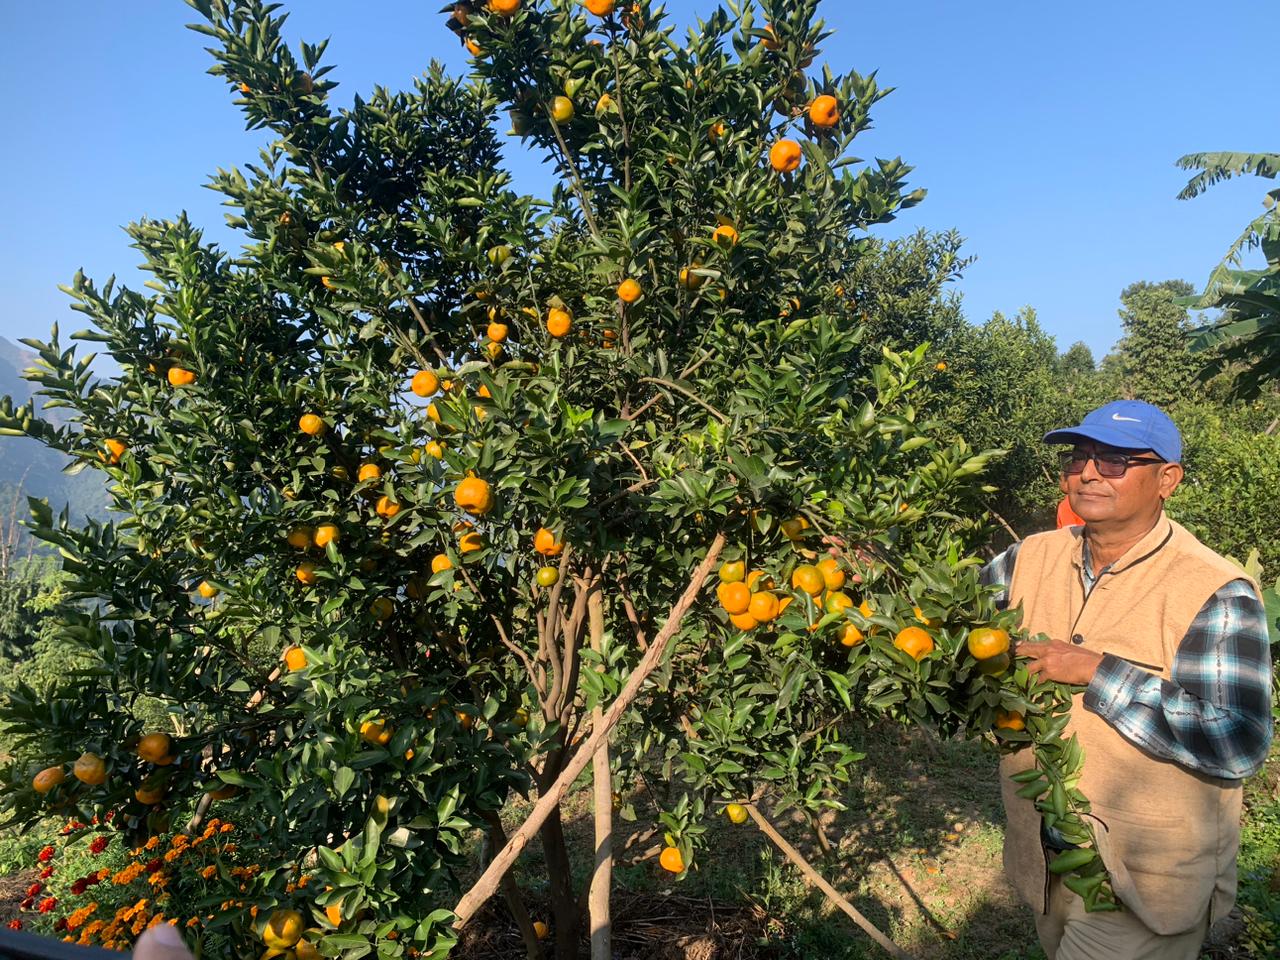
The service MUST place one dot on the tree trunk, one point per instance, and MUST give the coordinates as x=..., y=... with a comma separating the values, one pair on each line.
x=602, y=782
x=511, y=893
x=564, y=908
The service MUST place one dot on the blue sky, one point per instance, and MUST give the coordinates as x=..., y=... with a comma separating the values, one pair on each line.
x=1045, y=133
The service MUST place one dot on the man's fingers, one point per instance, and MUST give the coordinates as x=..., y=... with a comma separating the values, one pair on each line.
x=161, y=942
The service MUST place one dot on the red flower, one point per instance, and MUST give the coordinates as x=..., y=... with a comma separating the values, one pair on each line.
x=35, y=889
x=15, y=924
x=93, y=879
x=45, y=855
x=110, y=815
x=47, y=904
x=61, y=924
x=154, y=865
x=78, y=887
x=94, y=821
x=26, y=904
x=99, y=844
x=46, y=873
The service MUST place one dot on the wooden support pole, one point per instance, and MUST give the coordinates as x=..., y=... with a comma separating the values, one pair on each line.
x=602, y=800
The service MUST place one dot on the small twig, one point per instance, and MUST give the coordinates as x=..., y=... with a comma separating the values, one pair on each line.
x=1005, y=523
x=626, y=492
x=634, y=459
x=574, y=176
x=688, y=393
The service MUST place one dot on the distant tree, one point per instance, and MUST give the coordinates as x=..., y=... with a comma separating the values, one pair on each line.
x=1156, y=351
x=1247, y=334
x=1078, y=360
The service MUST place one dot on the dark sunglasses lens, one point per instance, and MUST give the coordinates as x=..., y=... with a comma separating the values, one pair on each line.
x=1111, y=466
x=1072, y=462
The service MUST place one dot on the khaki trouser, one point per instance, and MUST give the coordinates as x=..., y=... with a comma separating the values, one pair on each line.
x=1067, y=932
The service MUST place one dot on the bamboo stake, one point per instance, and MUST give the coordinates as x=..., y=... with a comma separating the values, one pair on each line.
x=602, y=799
x=813, y=878
x=484, y=888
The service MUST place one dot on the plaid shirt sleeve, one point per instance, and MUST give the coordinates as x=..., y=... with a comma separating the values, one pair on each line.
x=998, y=572
x=1214, y=715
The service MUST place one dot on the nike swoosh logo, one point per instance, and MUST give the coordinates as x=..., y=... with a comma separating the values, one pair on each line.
x=1116, y=416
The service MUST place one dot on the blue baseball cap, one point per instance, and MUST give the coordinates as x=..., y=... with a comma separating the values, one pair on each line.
x=1129, y=424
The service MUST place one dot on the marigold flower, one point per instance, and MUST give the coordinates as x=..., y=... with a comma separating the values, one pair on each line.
x=230, y=848
x=172, y=855
x=47, y=904
x=210, y=871
x=15, y=924
x=193, y=921
x=154, y=865
x=46, y=873
x=99, y=844
x=226, y=828
x=26, y=904
x=79, y=887
x=152, y=843
x=103, y=874
x=34, y=889
x=45, y=855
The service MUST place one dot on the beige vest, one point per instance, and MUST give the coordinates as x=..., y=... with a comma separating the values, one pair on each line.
x=1167, y=835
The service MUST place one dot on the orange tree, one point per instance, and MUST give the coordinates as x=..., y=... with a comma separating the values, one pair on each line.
x=408, y=484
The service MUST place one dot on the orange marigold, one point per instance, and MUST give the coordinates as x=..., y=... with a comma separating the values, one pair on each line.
x=226, y=828
x=127, y=875
x=193, y=921
x=253, y=911
x=104, y=873
x=209, y=872
x=172, y=855
x=152, y=843
x=304, y=880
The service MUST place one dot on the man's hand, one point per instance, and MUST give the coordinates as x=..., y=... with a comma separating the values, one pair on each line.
x=1061, y=662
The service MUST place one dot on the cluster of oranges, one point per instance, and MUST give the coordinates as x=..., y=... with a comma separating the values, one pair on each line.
x=90, y=769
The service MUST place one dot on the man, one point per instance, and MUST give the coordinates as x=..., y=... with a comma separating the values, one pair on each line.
x=1169, y=643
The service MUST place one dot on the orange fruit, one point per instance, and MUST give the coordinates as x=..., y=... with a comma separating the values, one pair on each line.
x=382, y=608
x=785, y=156
x=90, y=769
x=547, y=576
x=987, y=642
x=601, y=8
x=837, y=602
x=306, y=572
x=725, y=234
x=294, y=658
x=1010, y=720
x=299, y=537
x=504, y=8
x=368, y=471
x=283, y=929
x=732, y=571
x=441, y=562
x=540, y=929
x=629, y=291
x=927, y=621
x=473, y=48
x=497, y=332
x=149, y=795
x=758, y=578
x=671, y=860
x=474, y=495
x=734, y=597
x=386, y=507
x=940, y=366
x=154, y=747
x=690, y=280
x=736, y=813
x=325, y=534
x=47, y=779
x=545, y=543
x=306, y=950
x=222, y=791
x=470, y=542
x=744, y=621
x=433, y=413
x=763, y=606
x=115, y=448
x=424, y=383
x=850, y=635
x=794, y=528
x=914, y=641
x=376, y=732
x=833, y=576
x=770, y=41
x=181, y=377
x=207, y=590
x=558, y=322
x=866, y=609
x=716, y=131
x=994, y=666
x=333, y=913
x=562, y=109
x=824, y=111
x=311, y=425
x=807, y=578
x=435, y=449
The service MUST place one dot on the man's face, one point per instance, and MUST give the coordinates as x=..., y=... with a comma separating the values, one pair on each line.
x=1138, y=494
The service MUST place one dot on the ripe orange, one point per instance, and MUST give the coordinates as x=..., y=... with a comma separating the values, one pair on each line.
x=670, y=859
x=473, y=48
x=376, y=732
x=1010, y=720
x=785, y=156
x=744, y=621
x=115, y=448
x=562, y=109
x=601, y=8
x=558, y=322
x=850, y=635
x=725, y=234
x=547, y=576
x=283, y=929
x=735, y=597
x=368, y=471
x=47, y=779
x=987, y=642
x=382, y=609
x=325, y=534
x=90, y=769
x=690, y=280
x=833, y=576
x=914, y=641
x=716, y=131
x=629, y=291
x=149, y=795
x=223, y=792
x=504, y=8
x=824, y=111
x=866, y=609
x=306, y=950
x=794, y=528
x=441, y=562
x=386, y=507
x=294, y=658
x=333, y=913
x=770, y=40
x=311, y=425
x=470, y=542
x=807, y=578
x=497, y=332
x=540, y=929
x=837, y=602
x=433, y=413
x=545, y=543
x=207, y=590
x=306, y=572
x=763, y=606
x=736, y=813
x=940, y=366
x=435, y=449
x=424, y=383
x=154, y=747
x=759, y=579
x=299, y=537
x=732, y=571
x=927, y=621
x=181, y=377
x=474, y=495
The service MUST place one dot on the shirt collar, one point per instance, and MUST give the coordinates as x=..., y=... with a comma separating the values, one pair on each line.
x=1152, y=542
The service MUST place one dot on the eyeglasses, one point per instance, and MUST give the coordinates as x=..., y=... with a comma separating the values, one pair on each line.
x=1109, y=465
